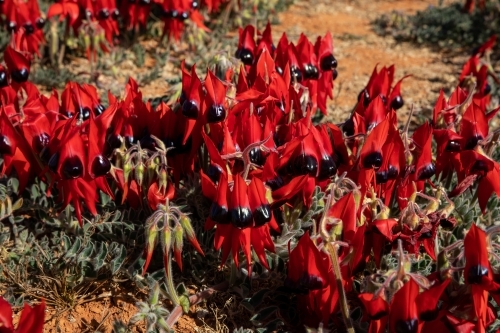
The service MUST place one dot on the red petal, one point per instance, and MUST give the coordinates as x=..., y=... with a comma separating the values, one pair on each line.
x=32, y=319
x=403, y=307
x=6, y=315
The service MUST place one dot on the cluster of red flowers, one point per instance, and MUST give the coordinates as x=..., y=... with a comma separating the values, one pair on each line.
x=98, y=20
x=391, y=165
x=313, y=66
x=264, y=152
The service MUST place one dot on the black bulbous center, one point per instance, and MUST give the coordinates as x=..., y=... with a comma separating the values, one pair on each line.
x=40, y=22
x=453, y=146
x=100, y=166
x=214, y=171
x=99, y=109
x=328, y=63
x=373, y=160
x=327, y=167
x=41, y=141
x=219, y=214
x=348, y=127
x=241, y=217
x=311, y=72
x=54, y=162
x=480, y=166
x=473, y=141
x=29, y=28
x=4, y=81
x=366, y=97
x=256, y=156
x=216, y=113
x=406, y=326
x=476, y=274
x=275, y=183
x=147, y=142
x=114, y=141
x=115, y=14
x=296, y=73
x=245, y=55
x=334, y=73
x=426, y=172
x=262, y=215
x=397, y=103
x=72, y=168
x=382, y=176
x=305, y=283
x=20, y=75
x=103, y=14
x=304, y=165
x=392, y=172
x=190, y=109
x=11, y=26
x=486, y=89
x=5, y=145
x=85, y=112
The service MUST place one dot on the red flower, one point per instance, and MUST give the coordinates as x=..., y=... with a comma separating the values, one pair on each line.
x=214, y=103
x=18, y=65
x=422, y=154
x=478, y=273
x=470, y=163
x=408, y=310
x=65, y=9
x=243, y=216
x=310, y=274
x=31, y=320
x=136, y=13
x=175, y=13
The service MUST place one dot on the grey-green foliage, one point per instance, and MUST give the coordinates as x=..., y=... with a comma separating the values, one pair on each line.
x=152, y=312
x=49, y=253
x=444, y=26
x=54, y=78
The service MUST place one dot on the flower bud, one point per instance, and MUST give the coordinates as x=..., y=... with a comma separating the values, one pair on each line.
x=162, y=180
x=178, y=242
x=139, y=173
x=166, y=240
x=432, y=207
x=447, y=210
x=127, y=168
x=384, y=213
x=151, y=171
x=151, y=233
x=190, y=234
x=86, y=41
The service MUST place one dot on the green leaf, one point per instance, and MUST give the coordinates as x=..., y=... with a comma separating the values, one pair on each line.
x=252, y=303
x=184, y=303
x=75, y=248
x=263, y=314
x=86, y=252
x=18, y=204
x=119, y=254
x=99, y=260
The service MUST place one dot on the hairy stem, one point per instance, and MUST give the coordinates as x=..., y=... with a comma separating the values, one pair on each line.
x=169, y=278
x=332, y=252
